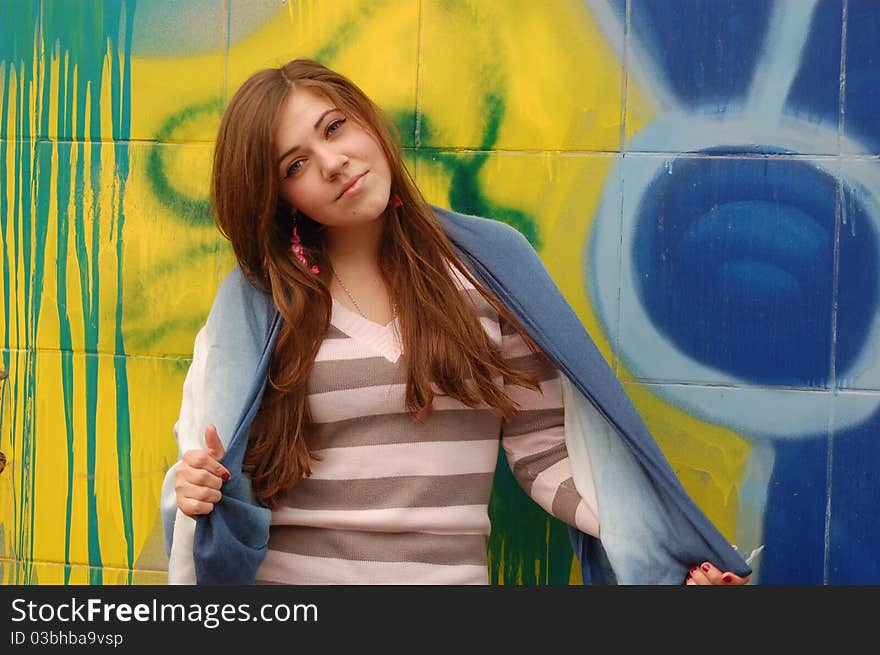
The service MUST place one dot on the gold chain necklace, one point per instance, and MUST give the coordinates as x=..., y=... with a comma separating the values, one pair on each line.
x=347, y=292
x=351, y=297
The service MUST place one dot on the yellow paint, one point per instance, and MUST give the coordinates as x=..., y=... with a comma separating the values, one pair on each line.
x=380, y=54
x=708, y=459
x=560, y=80
x=169, y=264
x=153, y=449
x=639, y=109
x=52, y=573
x=560, y=85
x=106, y=98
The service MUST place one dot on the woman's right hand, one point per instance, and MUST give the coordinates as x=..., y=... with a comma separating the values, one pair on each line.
x=200, y=475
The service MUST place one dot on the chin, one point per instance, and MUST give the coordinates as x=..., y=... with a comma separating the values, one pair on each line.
x=371, y=209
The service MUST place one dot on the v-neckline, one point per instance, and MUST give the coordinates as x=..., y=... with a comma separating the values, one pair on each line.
x=384, y=339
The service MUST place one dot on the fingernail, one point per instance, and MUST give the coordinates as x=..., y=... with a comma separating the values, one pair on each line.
x=225, y=477
x=727, y=577
x=705, y=567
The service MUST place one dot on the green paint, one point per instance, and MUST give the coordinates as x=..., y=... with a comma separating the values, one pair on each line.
x=15, y=54
x=62, y=194
x=123, y=423
x=405, y=123
x=345, y=35
x=121, y=97
x=146, y=338
x=85, y=31
x=526, y=544
x=81, y=32
x=195, y=211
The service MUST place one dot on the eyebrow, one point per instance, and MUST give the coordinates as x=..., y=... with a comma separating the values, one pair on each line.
x=315, y=127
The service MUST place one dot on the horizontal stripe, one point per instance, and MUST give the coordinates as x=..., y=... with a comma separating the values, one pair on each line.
x=450, y=425
x=289, y=568
x=544, y=486
x=380, y=546
x=526, y=421
x=525, y=445
x=343, y=374
x=481, y=306
x=533, y=465
x=507, y=328
x=381, y=493
x=565, y=502
x=537, y=364
x=514, y=346
x=370, y=401
x=549, y=395
x=466, y=519
x=459, y=278
x=490, y=327
x=334, y=333
x=347, y=348
x=391, y=460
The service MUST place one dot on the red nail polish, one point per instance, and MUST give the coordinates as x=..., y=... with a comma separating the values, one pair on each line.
x=705, y=567
x=727, y=577
x=225, y=477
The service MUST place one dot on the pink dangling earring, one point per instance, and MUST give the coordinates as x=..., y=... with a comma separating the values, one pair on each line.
x=297, y=249
x=396, y=201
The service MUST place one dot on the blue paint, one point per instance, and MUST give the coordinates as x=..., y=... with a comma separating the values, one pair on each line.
x=815, y=92
x=170, y=28
x=735, y=262
x=706, y=50
x=854, y=537
x=794, y=525
x=857, y=283
x=862, y=101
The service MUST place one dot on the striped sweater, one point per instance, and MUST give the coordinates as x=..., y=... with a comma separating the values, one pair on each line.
x=392, y=501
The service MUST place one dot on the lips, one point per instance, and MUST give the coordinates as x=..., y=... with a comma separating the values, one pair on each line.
x=348, y=185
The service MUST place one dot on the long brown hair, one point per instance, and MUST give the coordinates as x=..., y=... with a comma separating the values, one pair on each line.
x=443, y=340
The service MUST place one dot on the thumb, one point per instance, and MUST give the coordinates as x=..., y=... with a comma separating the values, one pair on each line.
x=212, y=441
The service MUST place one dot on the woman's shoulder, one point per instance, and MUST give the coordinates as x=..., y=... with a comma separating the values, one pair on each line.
x=240, y=300
x=497, y=235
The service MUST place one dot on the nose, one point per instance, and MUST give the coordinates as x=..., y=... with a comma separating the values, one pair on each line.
x=331, y=161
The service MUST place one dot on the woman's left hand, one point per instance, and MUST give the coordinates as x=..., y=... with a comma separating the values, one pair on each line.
x=708, y=574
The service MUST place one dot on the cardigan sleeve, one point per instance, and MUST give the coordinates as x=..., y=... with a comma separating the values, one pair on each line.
x=181, y=566
x=534, y=438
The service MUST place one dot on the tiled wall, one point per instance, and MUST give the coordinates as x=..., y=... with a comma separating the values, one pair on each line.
x=700, y=177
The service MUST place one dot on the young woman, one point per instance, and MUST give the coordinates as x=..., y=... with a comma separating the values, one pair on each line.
x=361, y=373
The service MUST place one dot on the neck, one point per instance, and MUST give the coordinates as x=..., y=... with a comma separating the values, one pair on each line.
x=355, y=245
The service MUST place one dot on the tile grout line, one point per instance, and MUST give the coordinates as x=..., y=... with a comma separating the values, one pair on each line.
x=624, y=92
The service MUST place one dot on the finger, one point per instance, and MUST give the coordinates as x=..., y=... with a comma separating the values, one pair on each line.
x=699, y=576
x=204, y=494
x=193, y=508
x=201, y=478
x=202, y=459
x=212, y=441
x=712, y=573
x=732, y=579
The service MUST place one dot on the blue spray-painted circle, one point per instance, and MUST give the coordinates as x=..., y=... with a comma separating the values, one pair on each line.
x=735, y=265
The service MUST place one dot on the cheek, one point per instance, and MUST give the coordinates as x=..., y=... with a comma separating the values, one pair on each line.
x=297, y=195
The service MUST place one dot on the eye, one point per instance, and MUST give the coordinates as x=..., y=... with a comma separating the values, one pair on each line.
x=294, y=168
x=335, y=125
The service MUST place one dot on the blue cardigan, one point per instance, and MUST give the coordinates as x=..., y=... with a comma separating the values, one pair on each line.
x=613, y=455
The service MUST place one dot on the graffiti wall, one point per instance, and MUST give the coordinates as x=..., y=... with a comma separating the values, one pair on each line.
x=702, y=179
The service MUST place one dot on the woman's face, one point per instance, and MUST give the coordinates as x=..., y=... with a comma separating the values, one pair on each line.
x=331, y=168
